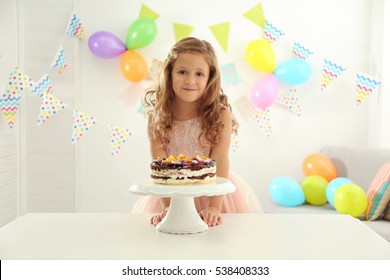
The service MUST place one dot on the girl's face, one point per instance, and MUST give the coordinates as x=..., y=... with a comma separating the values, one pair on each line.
x=190, y=75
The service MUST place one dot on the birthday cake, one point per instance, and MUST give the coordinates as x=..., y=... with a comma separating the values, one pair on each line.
x=183, y=170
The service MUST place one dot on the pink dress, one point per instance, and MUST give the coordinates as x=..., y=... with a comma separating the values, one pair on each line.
x=183, y=140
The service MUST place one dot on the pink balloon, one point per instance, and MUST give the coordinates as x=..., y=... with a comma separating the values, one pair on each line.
x=265, y=92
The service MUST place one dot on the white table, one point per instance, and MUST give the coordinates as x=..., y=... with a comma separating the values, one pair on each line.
x=241, y=236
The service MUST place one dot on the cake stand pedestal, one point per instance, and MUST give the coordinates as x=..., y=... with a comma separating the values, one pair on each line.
x=182, y=217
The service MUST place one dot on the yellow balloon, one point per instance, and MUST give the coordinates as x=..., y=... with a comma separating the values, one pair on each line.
x=350, y=199
x=261, y=56
x=314, y=188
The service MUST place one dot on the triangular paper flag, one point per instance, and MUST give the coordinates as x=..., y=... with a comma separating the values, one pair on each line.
x=51, y=105
x=221, y=33
x=59, y=61
x=154, y=69
x=147, y=12
x=17, y=82
x=330, y=72
x=75, y=27
x=234, y=142
x=81, y=124
x=364, y=87
x=291, y=102
x=300, y=51
x=118, y=137
x=229, y=74
x=271, y=33
x=42, y=86
x=182, y=31
x=256, y=15
x=262, y=120
x=245, y=107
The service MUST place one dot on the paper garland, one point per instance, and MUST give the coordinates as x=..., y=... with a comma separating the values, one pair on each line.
x=365, y=85
x=271, y=33
x=75, y=27
x=330, y=72
x=118, y=137
x=51, y=105
x=299, y=51
x=221, y=33
x=262, y=120
x=256, y=15
x=59, y=61
x=81, y=125
x=229, y=74
x=290, y=101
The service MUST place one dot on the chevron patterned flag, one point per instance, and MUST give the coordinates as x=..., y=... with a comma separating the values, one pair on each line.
x=330, y=72
x=364, y=87
x=50, y=105
x=17, y=82
x=290, y=101
x=300, y=51
x=75, y=27
x=59, y=61
x=118, y=137
x=81, y=124
x=42, y=86
x=270, y=33
x=230, y=75
x=263, y=120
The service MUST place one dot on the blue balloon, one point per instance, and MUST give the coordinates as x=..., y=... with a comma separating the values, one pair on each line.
x=294, y=71
x=333, y=186
x=286, y=191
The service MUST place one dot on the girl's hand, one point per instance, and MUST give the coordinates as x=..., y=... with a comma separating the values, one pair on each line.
x=158, y=218
x=211, y=216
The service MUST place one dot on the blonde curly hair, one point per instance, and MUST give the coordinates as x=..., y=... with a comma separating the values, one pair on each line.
x=158, y=100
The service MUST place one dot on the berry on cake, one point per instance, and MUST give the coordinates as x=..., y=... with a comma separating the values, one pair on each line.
x=183, y=170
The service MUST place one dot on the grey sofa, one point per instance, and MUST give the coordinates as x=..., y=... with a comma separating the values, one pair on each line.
x=359, y=164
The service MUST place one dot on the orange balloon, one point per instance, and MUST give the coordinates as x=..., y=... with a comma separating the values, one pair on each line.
x=133, y=66
x=317, y=164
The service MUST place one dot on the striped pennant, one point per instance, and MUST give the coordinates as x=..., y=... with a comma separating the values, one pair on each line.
x=271, y=33
x=118, y=137
x=262, y=119
x=81, y=124
x=17, y=82
x=75, y=27
x=330, y=72
x=59, y=61
x=42, y=86
x=364, y=87
x=290, y=101
x=299, y=51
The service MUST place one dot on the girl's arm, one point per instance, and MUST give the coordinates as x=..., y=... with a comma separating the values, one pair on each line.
x=220, y=152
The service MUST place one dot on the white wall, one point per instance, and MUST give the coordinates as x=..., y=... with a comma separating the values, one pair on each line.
x=98, y=182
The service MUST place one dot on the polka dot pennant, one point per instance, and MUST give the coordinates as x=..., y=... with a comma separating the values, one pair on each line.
x=262, y=120
x=118, y=137
x=234, y=142
x=51, y=105
x=81, y=124
x=290, y=101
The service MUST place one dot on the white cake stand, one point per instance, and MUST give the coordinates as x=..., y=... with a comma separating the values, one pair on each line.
x=182, y=217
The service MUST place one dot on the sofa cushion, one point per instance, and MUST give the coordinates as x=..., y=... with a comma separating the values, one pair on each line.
x=378, y=195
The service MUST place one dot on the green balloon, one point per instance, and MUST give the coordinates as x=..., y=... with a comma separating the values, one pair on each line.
x=141, y=33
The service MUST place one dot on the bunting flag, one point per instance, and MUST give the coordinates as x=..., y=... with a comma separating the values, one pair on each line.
x=245, y=107
x=290, y=101
x=42, y=86
x=118, y=137
x=132, y=93
x=330, y=72
x=256, y=15
x=154, y=69
x=221, y=33
x=270, y=33
x=148, y=12
x=75, y=27
x=81, y=124
x=230, y=75
x=17, y=82
x=51, y=105
x=234, y=142
x=59, y=61
x=300, y=51
x=182, y=31
x=364, y=87
x=262, y=119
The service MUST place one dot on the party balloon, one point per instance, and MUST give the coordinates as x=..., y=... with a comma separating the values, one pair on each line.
x=333, y=186
x=141, y=33
x=314, y=188
x=133, y=66
x=317, y=164
x=350, y=199
x=105, y=44
x=265, y=92
x=294, y=71
x=260, y=56
x=286, y=191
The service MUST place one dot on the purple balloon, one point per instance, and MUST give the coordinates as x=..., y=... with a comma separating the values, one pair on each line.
x=105, y=44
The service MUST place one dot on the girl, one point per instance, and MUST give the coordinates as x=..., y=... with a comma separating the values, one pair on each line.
x=188, y=113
